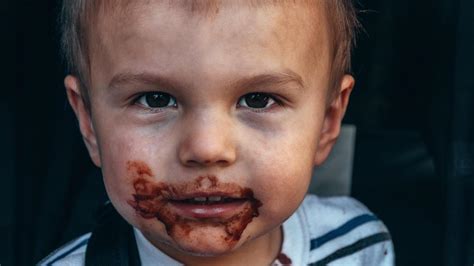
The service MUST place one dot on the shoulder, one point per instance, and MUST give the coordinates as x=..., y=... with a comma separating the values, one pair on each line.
x=71, y=253
x=343, y=230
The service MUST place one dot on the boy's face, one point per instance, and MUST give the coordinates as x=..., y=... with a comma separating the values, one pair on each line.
x=202, y=131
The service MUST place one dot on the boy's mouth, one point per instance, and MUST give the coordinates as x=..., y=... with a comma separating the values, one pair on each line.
x=190, y=200
x=210, y=207
x=208, y=200
x=184, y=207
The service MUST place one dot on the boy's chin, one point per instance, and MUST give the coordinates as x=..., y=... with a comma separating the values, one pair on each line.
x=205, y=241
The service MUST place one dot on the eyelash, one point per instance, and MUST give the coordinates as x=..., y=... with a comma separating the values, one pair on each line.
x=136, y=100
x=277, y=101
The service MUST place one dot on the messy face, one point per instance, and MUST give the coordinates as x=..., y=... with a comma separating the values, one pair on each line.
x=207, y=127
x=201, y=203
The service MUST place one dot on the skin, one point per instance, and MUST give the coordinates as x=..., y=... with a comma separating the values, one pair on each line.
x=211, y=132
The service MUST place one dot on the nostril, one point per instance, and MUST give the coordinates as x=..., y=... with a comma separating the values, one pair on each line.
x=206, y=162
x=192, y=163
x=222, y=162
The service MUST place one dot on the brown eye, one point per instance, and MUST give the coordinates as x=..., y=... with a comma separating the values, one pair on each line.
x=256, y=100
x=157, y=100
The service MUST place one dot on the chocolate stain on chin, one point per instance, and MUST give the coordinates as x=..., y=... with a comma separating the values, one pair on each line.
x=151, y=201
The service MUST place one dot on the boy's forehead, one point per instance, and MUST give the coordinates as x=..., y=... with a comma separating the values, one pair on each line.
x=187, y=23
x=199, y=7
x=123, y=12
x=289, y=14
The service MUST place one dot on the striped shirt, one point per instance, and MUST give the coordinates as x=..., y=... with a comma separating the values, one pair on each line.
x=323, y=231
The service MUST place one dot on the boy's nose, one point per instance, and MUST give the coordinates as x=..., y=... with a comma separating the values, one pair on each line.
x=207, y=142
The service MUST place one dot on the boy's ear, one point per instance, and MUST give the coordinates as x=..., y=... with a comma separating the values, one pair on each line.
x=332, y=120
x=84, y=118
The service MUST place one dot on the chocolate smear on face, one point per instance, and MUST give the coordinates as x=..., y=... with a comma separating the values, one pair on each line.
x=151, y=200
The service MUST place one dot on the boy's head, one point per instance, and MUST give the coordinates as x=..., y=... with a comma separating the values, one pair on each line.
x=207, y=117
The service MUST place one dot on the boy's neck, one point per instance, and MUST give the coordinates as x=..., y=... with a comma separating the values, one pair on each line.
x=260, y=251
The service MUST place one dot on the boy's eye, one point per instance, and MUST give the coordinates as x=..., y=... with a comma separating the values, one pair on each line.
x=157, y=100
x=256, y=100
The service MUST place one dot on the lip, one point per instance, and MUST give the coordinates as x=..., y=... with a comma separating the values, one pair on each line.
x=219, y=210
x=203, y=193
x=203, y=200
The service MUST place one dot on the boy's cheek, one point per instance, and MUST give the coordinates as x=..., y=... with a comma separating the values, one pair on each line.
x=280, y=203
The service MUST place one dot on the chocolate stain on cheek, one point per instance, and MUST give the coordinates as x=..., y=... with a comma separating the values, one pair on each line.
x=151, y=200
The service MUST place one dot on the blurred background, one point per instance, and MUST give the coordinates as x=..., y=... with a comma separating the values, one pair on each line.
x=413, y=107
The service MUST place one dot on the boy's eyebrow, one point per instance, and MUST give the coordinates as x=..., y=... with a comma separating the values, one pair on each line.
x=142, y=78
x=270, y=79
x=258, y=81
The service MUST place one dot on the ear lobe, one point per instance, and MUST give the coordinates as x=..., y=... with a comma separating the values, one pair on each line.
x=83, y=116
x=332, y=120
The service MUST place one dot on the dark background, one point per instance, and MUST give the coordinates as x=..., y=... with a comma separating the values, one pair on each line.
x=413, y=106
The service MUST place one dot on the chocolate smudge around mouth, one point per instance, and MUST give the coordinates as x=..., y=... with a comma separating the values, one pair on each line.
x=151, y=198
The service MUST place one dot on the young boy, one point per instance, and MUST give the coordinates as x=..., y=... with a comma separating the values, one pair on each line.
x=206, y=118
